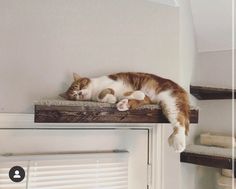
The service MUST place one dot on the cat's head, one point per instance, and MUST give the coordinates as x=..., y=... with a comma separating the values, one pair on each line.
x=80, y=89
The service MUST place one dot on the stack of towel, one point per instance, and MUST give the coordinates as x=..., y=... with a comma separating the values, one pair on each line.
x=226, y=178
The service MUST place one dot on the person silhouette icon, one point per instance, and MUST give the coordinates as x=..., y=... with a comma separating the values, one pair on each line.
x=17, y=174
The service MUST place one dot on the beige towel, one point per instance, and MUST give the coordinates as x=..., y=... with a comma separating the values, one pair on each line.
x=226, y=181
x=217, y=140
x=226, y=187
x=227, y=173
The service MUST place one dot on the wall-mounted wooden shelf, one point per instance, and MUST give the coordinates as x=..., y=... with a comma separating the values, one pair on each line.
x=209, y=93
x=208, y=156
x=206, y=160
x=62, y=111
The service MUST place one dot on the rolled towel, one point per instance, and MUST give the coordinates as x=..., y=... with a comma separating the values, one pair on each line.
x=226, y=187
x=227, y=173
x=225, y=181
x=217, y=140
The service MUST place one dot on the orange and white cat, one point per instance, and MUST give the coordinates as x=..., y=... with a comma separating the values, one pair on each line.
x=131, y=90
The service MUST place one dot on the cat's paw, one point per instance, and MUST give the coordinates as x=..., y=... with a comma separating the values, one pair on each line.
x=178, y=141
x=138, y=95
x=110, y=98
x=123, y=105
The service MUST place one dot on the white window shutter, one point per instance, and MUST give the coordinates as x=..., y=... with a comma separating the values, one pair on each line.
x=81, y=171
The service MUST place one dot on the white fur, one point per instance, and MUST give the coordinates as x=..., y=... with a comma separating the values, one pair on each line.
x=138, y=95
x=177, y=141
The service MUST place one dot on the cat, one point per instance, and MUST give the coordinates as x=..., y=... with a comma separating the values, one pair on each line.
x=131, y=90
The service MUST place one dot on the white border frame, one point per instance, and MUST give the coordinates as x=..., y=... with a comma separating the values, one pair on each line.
x=11, y=121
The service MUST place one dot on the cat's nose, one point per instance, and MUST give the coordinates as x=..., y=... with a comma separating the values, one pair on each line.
x=80, y=93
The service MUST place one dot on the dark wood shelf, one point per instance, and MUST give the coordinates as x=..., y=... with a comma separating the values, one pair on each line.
x=209, y=156
x=209, y=93
x=207, y=160
x=91, y=112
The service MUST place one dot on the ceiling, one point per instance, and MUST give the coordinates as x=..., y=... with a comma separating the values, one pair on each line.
x=213, y=24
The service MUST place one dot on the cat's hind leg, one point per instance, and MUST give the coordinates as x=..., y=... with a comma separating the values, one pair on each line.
x=123, y=105
x=133, y=100
x=137, y=95
x=176, y=110
x=107, y=95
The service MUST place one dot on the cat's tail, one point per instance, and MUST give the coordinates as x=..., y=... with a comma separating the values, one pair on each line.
x=187, y=126
x=185, y=111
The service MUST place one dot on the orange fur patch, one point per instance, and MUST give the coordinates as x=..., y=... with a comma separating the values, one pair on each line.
x=133, y=104
x=128, y=93
x=104, y=92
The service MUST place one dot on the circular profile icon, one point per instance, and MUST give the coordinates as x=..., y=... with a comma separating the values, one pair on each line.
x=17, y=174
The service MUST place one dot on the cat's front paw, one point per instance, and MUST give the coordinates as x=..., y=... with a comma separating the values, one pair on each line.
x=123, y=105
x=110, y=99
x=177, y=141
x=138, y=95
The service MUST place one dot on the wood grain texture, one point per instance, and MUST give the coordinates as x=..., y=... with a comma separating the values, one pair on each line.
x=209, y=93
x=206, y=160
x=93, y=114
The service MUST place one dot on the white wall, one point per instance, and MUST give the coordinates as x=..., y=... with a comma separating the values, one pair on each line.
x=187, y=44
x=43, y=42
x=214, y=69
x=216, y=116
x=213, y=24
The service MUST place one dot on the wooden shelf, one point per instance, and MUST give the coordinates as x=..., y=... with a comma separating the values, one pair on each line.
x=93, y=112
x=208, y=156
x=206, y=160
x=209, y=93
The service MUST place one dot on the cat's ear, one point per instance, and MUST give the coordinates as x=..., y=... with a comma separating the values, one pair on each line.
x=76, y=76
x=63, y=95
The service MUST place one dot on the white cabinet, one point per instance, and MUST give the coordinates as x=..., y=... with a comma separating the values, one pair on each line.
x=19, y=135
x=38, y=141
